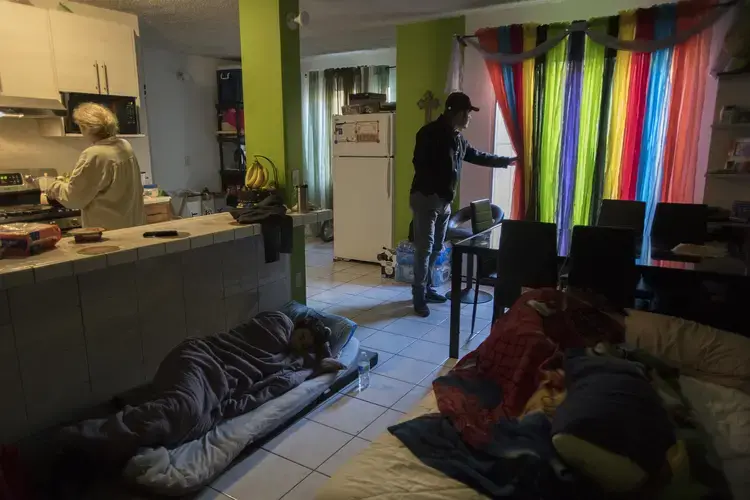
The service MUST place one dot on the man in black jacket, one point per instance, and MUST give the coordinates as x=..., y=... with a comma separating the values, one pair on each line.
x=438, y=154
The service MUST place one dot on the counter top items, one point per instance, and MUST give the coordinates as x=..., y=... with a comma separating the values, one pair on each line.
x=161, y=234
x=21, y=239
x=128, y=245
x=87, y=235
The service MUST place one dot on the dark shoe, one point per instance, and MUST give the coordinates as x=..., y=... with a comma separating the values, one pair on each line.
x=421, y=309
x=420, y=305
x=434, y=297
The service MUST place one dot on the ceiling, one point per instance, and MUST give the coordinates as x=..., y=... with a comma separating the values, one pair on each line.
x=211, y=27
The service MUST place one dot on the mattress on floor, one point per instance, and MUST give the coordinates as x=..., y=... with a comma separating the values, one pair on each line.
x=725, y=414
x=387, y=470
x=192, y=465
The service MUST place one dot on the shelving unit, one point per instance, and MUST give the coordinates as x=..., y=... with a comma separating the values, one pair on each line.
x=232, y=155
x=724, y=187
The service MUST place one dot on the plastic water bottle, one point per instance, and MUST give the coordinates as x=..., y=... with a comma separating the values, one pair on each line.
x=363, y=368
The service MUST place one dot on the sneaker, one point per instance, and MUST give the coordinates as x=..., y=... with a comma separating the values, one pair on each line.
x=434, y=297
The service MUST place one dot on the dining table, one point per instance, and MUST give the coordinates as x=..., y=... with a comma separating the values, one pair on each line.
x=730, y=270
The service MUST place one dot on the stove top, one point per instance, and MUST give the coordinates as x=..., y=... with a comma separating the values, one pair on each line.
x=64, y=217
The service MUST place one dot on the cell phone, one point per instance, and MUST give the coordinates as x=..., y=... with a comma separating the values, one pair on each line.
x=160, y=234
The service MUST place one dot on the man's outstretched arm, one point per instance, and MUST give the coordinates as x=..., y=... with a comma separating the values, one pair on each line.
x=486, y=159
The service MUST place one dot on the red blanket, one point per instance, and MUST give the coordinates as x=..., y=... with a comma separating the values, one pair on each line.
x=496, y=380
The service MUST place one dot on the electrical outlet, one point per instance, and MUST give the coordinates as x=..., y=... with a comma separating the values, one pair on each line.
x=295, y=177
x=187, y=161
x=298, y=280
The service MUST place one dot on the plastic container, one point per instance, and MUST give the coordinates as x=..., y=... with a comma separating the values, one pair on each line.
x=363, y=369
x=441, y=273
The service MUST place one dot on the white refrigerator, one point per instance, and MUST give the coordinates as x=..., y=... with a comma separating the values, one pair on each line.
x=362, y=168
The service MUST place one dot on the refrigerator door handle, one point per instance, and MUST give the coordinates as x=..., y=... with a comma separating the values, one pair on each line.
x=388, y=183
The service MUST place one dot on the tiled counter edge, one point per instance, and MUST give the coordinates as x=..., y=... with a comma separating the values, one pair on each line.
x=72, y=340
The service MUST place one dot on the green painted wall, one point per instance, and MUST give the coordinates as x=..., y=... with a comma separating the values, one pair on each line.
x=422, y=56
x=272, y=97
x=271, y=82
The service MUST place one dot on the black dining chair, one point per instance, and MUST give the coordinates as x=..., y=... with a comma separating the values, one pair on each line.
x=526, y=257
x=602, y=260
x=460, y=227
x=628, y=214
x=676, y=223
x=481, y=220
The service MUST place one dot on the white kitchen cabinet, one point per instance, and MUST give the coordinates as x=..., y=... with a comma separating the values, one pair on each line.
x=118, y=62
x=93, y=56
x=26, y=59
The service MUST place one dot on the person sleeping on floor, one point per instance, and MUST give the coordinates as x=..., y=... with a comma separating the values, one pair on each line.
x=204, y=381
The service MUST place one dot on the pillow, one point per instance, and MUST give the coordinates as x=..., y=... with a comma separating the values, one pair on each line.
x=614, y=473
x=700, y=351
x=622, y=431
x=342, y=329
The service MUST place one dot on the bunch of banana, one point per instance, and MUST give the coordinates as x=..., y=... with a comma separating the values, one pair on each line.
x=256, y=176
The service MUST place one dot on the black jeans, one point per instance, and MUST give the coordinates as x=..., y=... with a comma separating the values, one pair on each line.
x=430, y=214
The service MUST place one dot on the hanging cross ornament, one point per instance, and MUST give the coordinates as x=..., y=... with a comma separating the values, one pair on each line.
x=428, y=102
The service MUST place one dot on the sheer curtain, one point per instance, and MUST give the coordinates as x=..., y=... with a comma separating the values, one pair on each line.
x=323, y=95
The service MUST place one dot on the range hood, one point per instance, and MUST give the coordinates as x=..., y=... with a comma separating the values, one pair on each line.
x=27, y=107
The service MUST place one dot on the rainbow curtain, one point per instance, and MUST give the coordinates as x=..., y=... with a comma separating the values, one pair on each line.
x=591, y=123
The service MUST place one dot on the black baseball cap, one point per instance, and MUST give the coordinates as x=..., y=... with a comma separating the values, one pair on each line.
x=458, y=101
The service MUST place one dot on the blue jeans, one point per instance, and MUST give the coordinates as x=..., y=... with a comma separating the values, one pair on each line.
x=430, y=216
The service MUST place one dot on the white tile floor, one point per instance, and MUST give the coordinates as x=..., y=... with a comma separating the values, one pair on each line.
x=412, y=352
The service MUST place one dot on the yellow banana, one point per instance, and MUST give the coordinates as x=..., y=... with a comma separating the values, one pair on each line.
x=252, y=175
x=261, y=180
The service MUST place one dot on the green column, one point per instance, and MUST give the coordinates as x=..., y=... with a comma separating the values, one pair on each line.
x=272, y=98
x=272, y=85
x=422, y=56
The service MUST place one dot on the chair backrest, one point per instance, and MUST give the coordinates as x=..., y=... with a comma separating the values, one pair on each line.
x=526, y=257
x=676, y=223
x=602, y=259
x=623, y=213
x=481, y=216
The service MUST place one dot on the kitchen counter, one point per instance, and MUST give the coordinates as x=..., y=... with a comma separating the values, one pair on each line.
x=156, y=200
x=195, y=232
x=77, y=330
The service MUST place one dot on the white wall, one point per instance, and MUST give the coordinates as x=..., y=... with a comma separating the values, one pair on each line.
x=377, y=57
x=476, y=181
x=181, y=97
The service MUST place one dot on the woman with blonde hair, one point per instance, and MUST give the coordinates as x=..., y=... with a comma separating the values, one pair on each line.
x=106, y=182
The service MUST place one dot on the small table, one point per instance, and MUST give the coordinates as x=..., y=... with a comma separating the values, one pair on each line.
x=729, y=270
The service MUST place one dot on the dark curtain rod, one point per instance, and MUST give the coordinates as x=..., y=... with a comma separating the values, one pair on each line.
x=730, y=3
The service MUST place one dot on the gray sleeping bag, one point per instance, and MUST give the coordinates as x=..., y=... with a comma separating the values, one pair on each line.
x=190, y=466
x=200, y=383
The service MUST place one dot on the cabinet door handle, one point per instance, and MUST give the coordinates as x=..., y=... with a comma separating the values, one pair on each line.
x=1, y=83
x=106, y=77
x=98, y=81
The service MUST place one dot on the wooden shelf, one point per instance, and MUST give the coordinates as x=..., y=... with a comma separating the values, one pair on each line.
x=727, y=76
x=719, y=174
x=738, y=127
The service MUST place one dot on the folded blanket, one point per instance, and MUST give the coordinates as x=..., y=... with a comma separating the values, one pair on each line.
x=200, y=383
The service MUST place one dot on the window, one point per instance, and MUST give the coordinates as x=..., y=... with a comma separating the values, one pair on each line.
x=502, y=178
x=391, y=93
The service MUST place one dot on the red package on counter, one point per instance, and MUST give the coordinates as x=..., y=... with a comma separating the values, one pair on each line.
x=23, y=238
